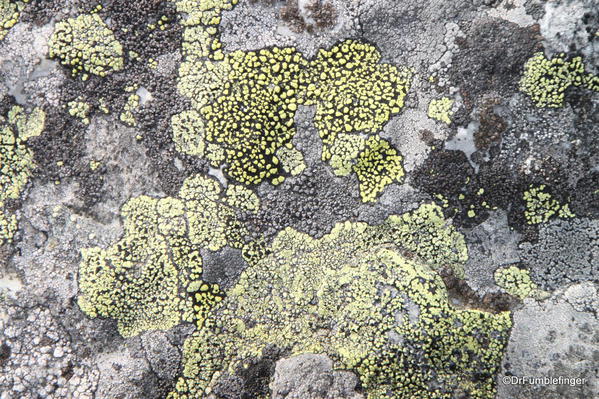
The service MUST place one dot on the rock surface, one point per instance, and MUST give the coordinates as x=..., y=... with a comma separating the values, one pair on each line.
x=299, y=199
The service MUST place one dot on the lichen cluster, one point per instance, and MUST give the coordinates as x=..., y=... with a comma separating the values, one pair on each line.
x=16, y=161
x=517, y=282
x=541, y=206
x=151, y=278
x=545, y=81
x=353, y=296
x=86, y=45
x=9, y=14
x=440, y=109
x=244, y=104
x=79, y=109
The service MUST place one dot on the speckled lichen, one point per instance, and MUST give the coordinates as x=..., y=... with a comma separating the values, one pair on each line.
x=353, y=91
x=545, y=81
x=242, y=197
x=131, y=105
x=517, y=282
x=292, y=160
x=244, y=102
x=16, y=161
x=80, y=110
x=151, y=278
x=352, y=296
x=440, y=110
x=86, y=45
x=9, y=14
x=377, y=166
x=541, y=206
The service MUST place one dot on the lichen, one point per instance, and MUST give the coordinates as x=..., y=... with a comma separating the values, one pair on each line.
x=541, y=206
x=377, y=166
x=545, y=81
x=243, y=198
x=352, y=295
x=131, y=105
x=80, y=110
x=517, y=282
x=86, y=45
x=244, y=102
x=292, y=160
x=9, y=15
x=440, y=110
x=151, y=278
x=16, y=161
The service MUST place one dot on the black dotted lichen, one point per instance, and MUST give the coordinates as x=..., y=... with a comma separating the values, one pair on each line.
x=352, y=296
x=244, y=103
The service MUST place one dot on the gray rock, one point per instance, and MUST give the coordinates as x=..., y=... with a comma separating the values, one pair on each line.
x=312, y=376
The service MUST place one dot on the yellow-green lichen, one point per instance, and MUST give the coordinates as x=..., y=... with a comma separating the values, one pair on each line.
x=377, y=165
x=291, y=159
x=80, y=110
x=545, y=81
x=244, y=102
x=131, y=105
x=242, y=197
x=16, y=161
x=151, y=278
x=9, y=14
x=93, y=164
x=517, y=282
x=440, y=110
x=541, y=206
x=344, y=152
x=188, y=133
x=86, y=45
x=352, y=90
x=353, y=296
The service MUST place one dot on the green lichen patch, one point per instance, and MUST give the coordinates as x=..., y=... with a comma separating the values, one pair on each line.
x=517, y=282
x=151, y=278
x=377, y=166
x=79, y=109
x=352, y=296
x=353, y=91
x=541, y=206
x=243, y=198
x=9, y=14
x=440, y=110
x=16, y=161
x=86, y=45
x=244, y=102
x=292, y=160
x=131, y=105
x=545, y=81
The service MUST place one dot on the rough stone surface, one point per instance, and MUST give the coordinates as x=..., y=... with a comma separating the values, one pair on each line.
x=497, y=186
x=312, y=377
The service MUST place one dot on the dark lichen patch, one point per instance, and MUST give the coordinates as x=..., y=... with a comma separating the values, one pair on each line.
x=252, y=378
x=585, y=201
x=311, y=203
x=491, y=125
x=469, y=196
x=60, y=155
x=490, y=58
x=5, y=352
x=311, y=17
x=146, y=31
